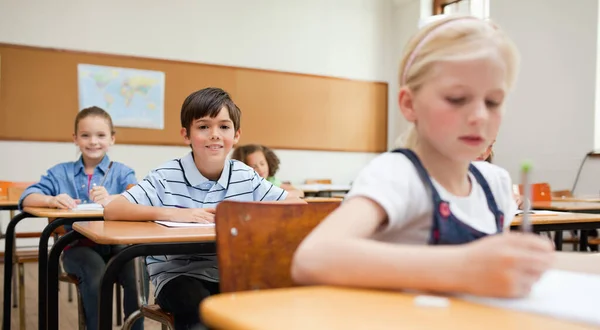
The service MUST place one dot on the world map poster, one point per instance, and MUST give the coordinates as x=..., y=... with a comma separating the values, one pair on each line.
x=132, y=97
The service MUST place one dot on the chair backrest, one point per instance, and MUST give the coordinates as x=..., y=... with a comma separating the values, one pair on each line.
x=317, y=181
x=5, y=185
x=540, y=192
x=256, y=241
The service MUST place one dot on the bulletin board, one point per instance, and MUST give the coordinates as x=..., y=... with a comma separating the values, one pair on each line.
x=39, y=101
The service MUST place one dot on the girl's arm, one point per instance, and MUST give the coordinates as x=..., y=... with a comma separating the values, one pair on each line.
x=340, y=252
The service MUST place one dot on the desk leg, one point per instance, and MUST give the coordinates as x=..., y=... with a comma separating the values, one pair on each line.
x=9, y=245
x=43, y=264
x=116, y=263
x=558, y=240
x=583, y=240
x=52, y=280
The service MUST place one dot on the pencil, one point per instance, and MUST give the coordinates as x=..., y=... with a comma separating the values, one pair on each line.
x=106, y=174
x=525, y=173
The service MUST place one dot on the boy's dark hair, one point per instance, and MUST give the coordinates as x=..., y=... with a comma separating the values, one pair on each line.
x=94, y=111
x=242, y=152
x=208, y=102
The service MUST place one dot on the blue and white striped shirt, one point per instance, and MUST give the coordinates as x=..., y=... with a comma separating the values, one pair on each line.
x=179, y=183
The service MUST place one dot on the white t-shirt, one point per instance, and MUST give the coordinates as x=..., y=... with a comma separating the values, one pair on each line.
x=392, y=181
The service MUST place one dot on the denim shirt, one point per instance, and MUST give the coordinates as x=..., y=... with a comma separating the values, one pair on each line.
x=70, y=178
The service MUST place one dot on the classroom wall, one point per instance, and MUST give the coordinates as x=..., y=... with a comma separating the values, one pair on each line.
x=340, y=38
x=550, y=115
x=405, y=23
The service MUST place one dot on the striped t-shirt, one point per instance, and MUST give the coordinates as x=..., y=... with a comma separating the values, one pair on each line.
x=178, y=183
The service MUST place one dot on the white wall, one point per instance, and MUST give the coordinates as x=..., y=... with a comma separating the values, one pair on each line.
x=405, y=23
x=341, y=38
x=550, y=115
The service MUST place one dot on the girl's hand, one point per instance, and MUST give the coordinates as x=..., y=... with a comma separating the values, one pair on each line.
x=99, y=195
x=505, y=265
x=63, y=201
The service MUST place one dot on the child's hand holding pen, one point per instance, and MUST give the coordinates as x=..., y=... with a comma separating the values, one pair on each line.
x=99, y=195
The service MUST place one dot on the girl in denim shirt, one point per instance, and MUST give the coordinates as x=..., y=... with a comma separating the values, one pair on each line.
x=71, y=183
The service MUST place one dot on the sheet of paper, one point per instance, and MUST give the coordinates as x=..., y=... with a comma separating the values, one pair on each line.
x=172, y=224
x=561, y=294
x=89, y=207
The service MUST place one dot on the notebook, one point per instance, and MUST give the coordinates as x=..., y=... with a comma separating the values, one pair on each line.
x=172, y=224
x=562, y=294
x=88, y=207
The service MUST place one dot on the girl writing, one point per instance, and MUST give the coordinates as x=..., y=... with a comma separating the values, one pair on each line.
x=424, y=217
x=71, y=183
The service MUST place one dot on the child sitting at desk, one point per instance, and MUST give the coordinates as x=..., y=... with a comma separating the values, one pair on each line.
x=188, y=190
x=266, y=163
x=91, y=179
x=426, y=217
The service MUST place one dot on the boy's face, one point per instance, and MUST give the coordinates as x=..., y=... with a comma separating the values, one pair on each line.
x=211, y=138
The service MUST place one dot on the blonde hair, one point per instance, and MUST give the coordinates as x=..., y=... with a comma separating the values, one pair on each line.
x=452, y=38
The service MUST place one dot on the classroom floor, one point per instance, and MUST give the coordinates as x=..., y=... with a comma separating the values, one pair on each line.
x=68, y=319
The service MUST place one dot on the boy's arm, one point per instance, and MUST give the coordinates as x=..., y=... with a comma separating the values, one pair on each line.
x=140, y=203
x=122, y=210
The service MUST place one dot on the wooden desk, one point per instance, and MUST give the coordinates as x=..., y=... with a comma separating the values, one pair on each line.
x=131, y=232
x=6, y=205
x=44, y=212
x=316, y=189
x=323, y=199
x=320, y=307
x=560, y=222
x=590, y=199
x=148, y=238
x=57, y=218
x=558, y=219
x=588, y=207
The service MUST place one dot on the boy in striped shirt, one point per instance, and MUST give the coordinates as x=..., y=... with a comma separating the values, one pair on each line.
x=188, y=190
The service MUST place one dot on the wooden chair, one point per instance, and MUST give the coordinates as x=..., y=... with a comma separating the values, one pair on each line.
x=562, y=193
x=317, y=181
x=256, y=241
x=73, y=280
x=540, y=192
x=12, y=191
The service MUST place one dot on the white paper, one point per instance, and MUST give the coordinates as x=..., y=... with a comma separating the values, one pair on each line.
x=562, y=294
x=89, y=207
x=173, y=224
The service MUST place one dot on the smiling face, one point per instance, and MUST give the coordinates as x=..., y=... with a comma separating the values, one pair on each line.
x=93, y=137
x=457, y=111
x=212, y=138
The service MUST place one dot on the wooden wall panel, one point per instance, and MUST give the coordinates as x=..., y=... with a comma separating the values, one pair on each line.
x=38, y=101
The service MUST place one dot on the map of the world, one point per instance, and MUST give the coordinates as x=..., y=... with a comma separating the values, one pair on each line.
x=132, y=97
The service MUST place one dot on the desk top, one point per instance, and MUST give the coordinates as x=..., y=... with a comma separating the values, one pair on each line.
x=321, y=307
x=134, y=232
x=566, y=206
x=343, y=308
x=582, y=198
x=559, y=218
x=315, y=188
x=44, y=212
x=5, y=202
